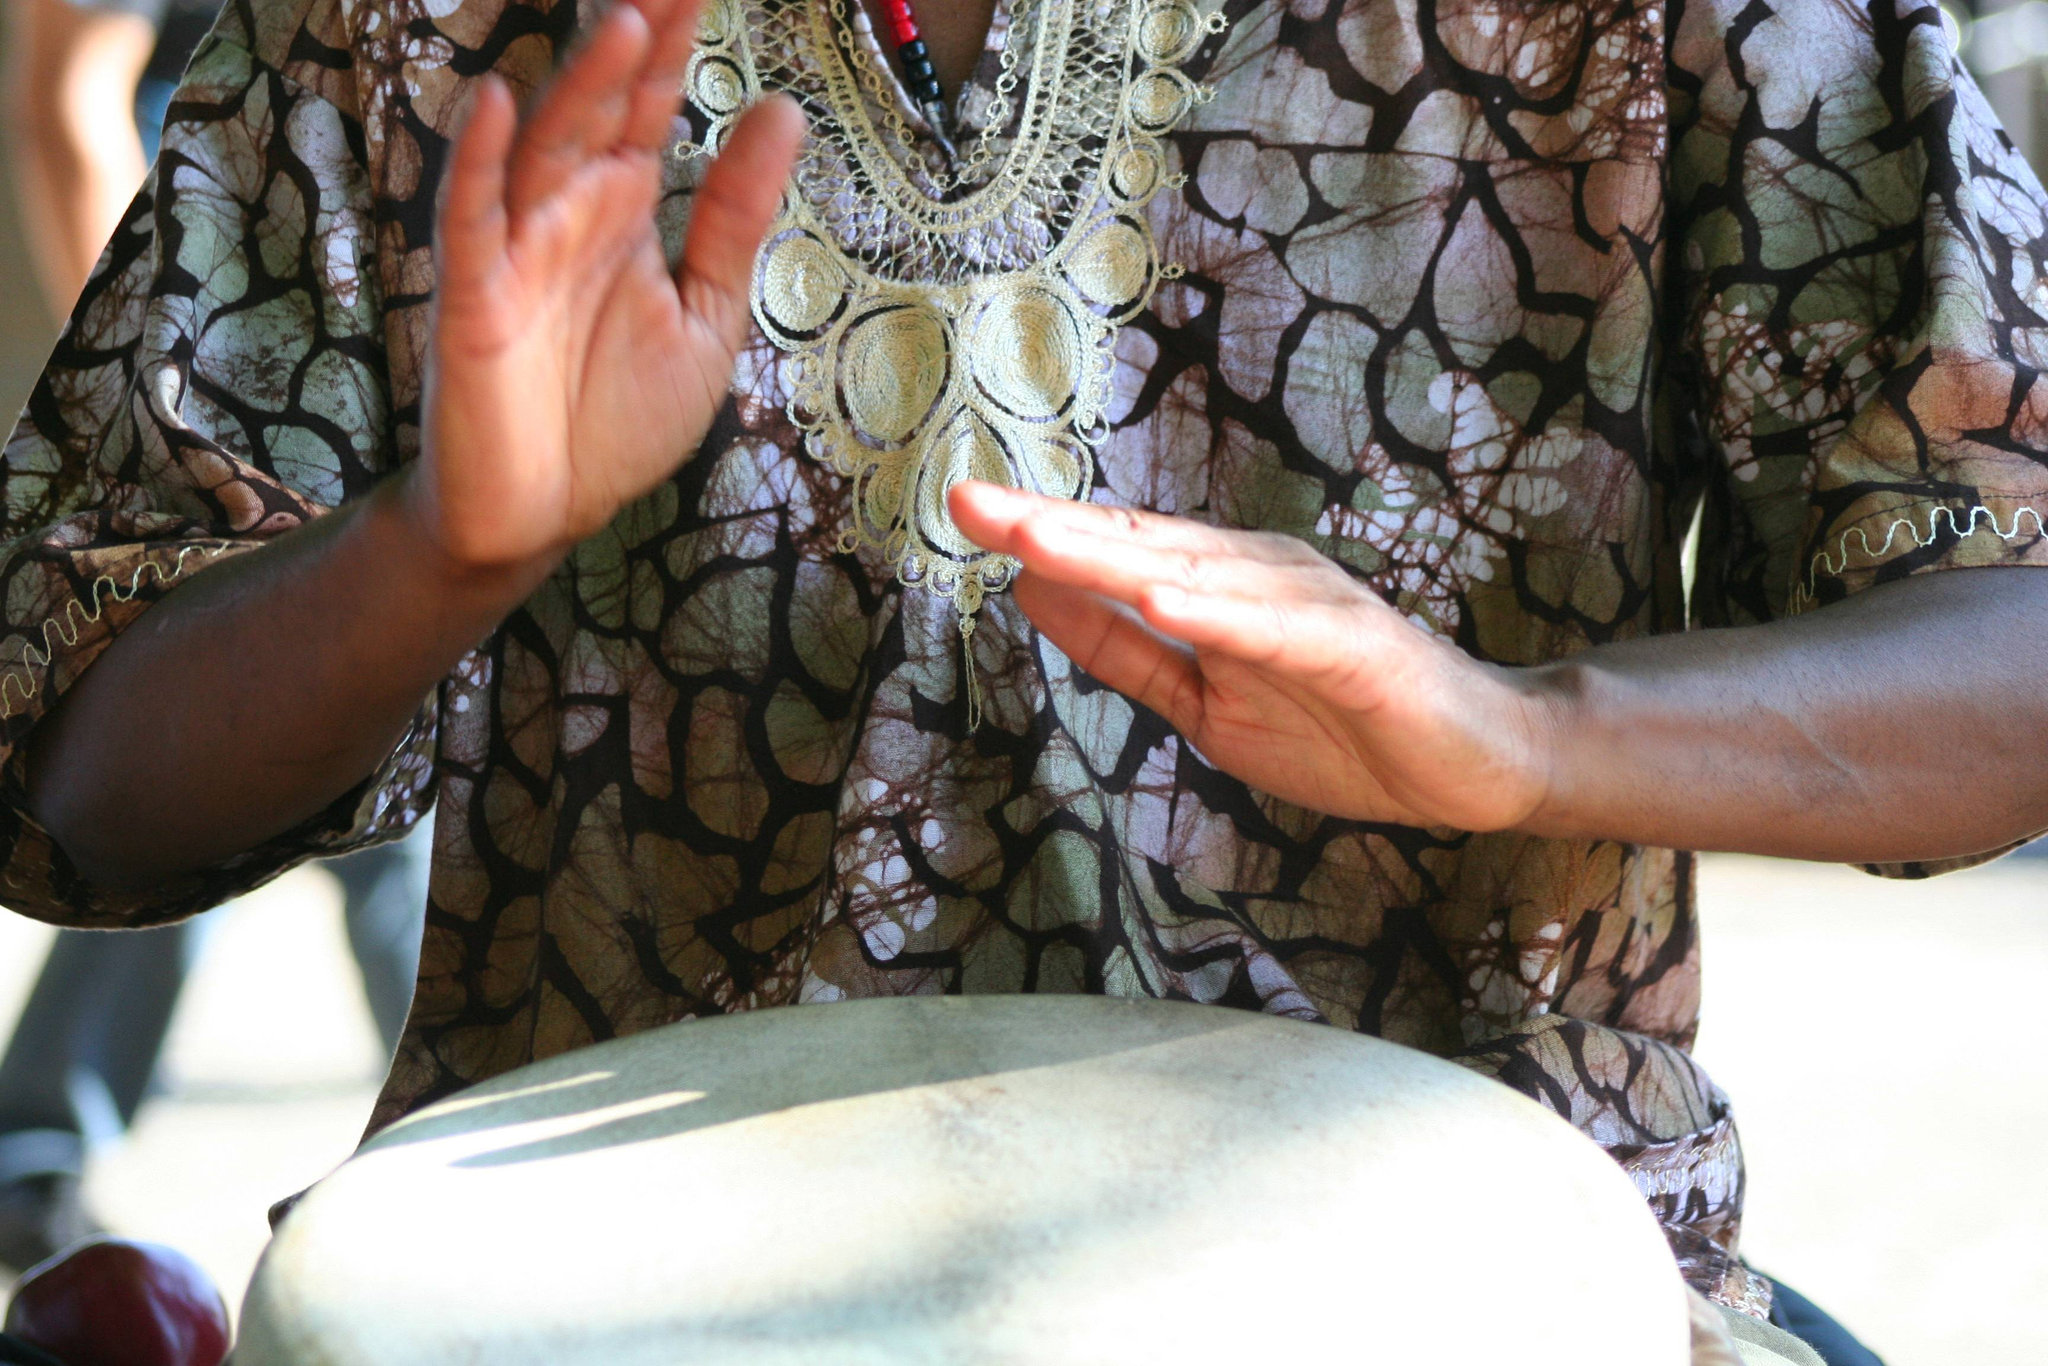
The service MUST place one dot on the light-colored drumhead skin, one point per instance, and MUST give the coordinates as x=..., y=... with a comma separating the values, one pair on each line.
x=1032, y=1181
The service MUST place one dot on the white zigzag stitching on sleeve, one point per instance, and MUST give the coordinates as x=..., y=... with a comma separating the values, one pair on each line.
x=66, y=626
x=1980, y=517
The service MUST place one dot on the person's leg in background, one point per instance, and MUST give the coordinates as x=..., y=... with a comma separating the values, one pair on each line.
x=384, y=902
x=76, y=1071
x=183, y=27
x=85, y=1049
x=77, y=157
x=82, y=1056
x=1813, y=1326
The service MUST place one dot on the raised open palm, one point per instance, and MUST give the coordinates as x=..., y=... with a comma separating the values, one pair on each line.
x=1280, y=668
x=570, y=372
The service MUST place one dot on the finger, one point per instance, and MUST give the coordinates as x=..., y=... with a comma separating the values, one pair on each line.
x=1326, y=647
x=658, y=93
x=734, y=206
x=1116, y=648
x=1253, y=629
x=582, y=112
x=473, y=225
x=657, y=13
x=1119, y=552
x=982, y=509
x=1160, y=552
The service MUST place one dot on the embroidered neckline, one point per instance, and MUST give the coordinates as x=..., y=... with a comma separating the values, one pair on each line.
x=939, y=328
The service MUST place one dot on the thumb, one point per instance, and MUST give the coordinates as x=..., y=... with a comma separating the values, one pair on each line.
x=733, y=209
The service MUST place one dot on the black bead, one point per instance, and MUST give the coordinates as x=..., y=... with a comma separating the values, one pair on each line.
x=913, y=49
x=919, y=70
x=929, y=91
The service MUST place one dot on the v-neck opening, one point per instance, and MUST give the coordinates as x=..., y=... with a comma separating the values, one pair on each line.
x=978, y=90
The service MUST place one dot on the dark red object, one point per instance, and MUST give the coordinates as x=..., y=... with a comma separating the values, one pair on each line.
x=901, y=20
x=113, y=1302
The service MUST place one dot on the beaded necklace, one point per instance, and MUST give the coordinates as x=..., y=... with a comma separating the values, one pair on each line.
x=918, y=74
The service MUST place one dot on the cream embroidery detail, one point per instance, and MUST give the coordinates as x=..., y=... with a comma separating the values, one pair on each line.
x=944, y=325
x=1960, y=524
x=65, y=627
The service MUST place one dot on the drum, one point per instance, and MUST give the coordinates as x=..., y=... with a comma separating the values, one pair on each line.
x=1033, y=1181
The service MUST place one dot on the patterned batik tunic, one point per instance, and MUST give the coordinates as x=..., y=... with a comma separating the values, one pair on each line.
x=1494, y=302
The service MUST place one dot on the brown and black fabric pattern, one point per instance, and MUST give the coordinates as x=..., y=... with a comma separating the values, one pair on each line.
x=1488, y=300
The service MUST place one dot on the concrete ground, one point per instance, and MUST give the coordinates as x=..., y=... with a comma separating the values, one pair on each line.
x=1879, y=1040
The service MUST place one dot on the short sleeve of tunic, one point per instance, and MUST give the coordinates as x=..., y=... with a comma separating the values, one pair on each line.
x=1863, y=272
x=1861, y=262
x=221, y=381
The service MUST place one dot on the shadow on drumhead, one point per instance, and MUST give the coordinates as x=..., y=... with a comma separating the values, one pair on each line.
x=702, y=1073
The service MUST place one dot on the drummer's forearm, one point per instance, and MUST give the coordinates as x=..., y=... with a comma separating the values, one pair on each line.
x=257, y=693
x=1908, y=722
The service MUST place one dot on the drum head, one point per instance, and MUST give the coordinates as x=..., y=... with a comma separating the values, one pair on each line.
x=1021, y=1180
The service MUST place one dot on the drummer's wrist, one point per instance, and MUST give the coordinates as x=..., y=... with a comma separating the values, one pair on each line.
x=1662, y=743
x=485, y=590
x=1572, y=713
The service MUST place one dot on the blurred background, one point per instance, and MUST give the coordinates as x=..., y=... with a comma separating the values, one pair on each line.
x=1879, y=1039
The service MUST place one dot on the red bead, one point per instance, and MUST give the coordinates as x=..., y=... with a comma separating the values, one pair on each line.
x=901, y=22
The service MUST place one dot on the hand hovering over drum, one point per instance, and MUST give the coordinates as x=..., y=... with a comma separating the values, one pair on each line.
x=1277, y=665
x=570, y=371
x=1832, y=735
